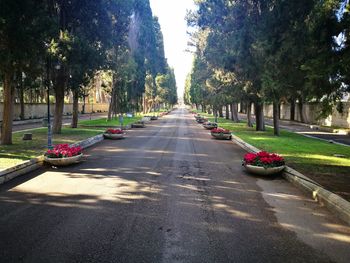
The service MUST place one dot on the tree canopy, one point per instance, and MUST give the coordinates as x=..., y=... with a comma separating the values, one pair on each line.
x=277, y=51
x=64, y=45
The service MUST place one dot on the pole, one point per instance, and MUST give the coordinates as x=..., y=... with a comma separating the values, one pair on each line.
x=49, y=134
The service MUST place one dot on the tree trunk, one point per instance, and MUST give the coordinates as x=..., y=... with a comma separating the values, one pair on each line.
x=292, y=109
x=75, y=116
x=84, y=103
x=59, y=104
x=276, y=125
x=234, y=112
x=143, y=103
x=243, y=108
x=6, y=128
x=249, y=114
x=21, y=97
x=215, y=113
x=221, y=114
x=231, y=112
x=227, y=111
x=204, y=108
x=259, y=116
x=279, y=111
x=112, y=111
x=109, y=117
x=150, y=107
x=31, y=96
x=301, y=113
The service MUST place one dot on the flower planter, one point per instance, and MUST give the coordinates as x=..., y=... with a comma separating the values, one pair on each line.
x=138, y=125
x=63, y=161
x=263, y=163
x=210, y=125
x=112, y=136
x=201, y=120
x=262, y=170
x=221, y=136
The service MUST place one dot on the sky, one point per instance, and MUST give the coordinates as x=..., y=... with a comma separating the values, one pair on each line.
x=171, y=14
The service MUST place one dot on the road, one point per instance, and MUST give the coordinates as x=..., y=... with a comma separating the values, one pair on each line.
x=166, y=193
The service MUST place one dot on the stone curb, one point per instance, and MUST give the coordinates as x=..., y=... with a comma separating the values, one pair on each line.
x=334, y=202
x=124, y=127
x=35, y=163
x=20, y=169
x=89, y=142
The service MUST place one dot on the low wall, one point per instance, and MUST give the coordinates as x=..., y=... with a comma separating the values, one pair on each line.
x=39, y=110
x=310, y=112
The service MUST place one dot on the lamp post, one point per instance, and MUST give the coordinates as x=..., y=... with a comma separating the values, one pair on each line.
x=48, y=81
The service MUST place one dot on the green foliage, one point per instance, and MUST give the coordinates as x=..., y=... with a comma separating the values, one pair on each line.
x=147, y=47
x=103, y=122
x=276, y=51
x=23, y=29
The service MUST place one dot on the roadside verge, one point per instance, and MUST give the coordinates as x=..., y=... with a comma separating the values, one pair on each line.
x=35, y=163
x=334, y=202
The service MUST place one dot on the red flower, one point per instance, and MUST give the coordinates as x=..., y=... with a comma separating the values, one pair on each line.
x=114, y=131
x=264, y=159
x=263, y=154
x=249, y=157
x=220, y=130
x=63, y=150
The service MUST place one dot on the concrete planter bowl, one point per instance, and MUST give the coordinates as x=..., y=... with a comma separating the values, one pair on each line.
x=151, y=118
x=221, y=136
x=262, y=170
x=112, y=136
x=201, y=120
x=210, y=125
x=63, y=161
x=138, y=125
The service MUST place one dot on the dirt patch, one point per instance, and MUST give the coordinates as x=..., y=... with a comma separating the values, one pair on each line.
x=337, y=182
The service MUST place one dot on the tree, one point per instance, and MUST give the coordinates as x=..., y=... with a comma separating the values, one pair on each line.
x=88, y=22
x=277, y=50
x=150, y=93
x=230, y=45
x=147, y=48
x=23, y=29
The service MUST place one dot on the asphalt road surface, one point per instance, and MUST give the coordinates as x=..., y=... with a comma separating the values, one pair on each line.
x=166, y=193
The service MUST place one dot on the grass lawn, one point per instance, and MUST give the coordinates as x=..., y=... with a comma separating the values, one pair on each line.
x=24, y=150
x=305, y=154
x=113, y=122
